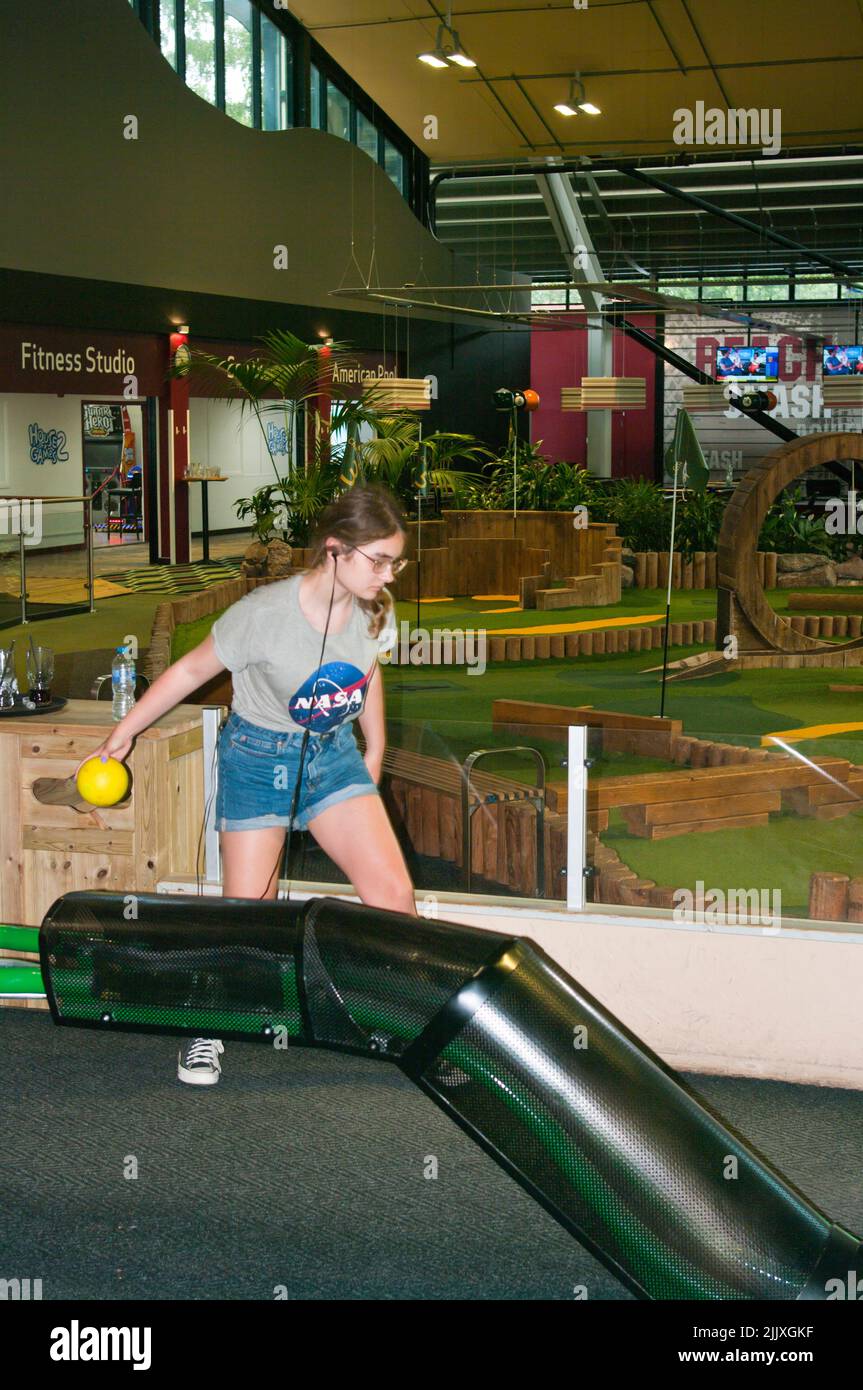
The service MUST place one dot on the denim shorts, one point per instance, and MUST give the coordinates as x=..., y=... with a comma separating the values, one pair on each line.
x=257, y=774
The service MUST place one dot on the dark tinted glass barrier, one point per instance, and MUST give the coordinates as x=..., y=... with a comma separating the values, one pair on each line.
x=571, y=1104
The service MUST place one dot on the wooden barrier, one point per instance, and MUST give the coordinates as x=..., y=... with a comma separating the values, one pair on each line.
x=423, y=796
x=47, y=849
x=697, y=572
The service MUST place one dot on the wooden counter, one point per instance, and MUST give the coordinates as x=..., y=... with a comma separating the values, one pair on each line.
x=49, y=850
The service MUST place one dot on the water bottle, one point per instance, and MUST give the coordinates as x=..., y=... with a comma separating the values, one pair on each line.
x=123, y=680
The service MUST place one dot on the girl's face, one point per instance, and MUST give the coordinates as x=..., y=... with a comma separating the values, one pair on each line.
x=357, y=569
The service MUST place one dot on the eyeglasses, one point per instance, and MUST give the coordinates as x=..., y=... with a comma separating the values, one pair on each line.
x=380, y=565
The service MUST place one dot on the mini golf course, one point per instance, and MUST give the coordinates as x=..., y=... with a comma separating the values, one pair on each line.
x=445, y=712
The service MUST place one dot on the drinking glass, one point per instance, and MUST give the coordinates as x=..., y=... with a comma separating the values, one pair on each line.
x=7, y=678
x=40, y=673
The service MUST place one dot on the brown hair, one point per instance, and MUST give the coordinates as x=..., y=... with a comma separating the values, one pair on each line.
x=366, y=512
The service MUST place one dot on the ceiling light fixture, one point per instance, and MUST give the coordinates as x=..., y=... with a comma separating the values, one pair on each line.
x=447, y=48
x=577, y=100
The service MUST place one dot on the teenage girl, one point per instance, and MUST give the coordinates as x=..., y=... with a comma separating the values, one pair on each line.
x=297, y=694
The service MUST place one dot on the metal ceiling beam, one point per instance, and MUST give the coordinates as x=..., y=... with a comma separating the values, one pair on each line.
x=578, y=250
x=843, y=272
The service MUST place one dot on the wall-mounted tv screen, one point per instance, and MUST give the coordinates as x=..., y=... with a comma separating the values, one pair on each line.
x=747, y=363
x=843, y=360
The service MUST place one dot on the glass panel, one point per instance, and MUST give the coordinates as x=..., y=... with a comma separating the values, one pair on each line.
x=540, y=298
x=55, y=563
x=394, y=163
x=714, y=288
x=780, y=291
x=815, y=289
x=275, y=77
x=168, y=30
x=367, y=135
x=201, y=48
x=338, y=113
x=317, y=111
x=238, y=60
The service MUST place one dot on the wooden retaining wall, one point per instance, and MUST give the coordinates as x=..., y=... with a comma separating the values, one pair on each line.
x=699, y=572
x=503, y=836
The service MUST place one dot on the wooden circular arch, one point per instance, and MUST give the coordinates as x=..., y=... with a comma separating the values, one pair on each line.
x=743, y=608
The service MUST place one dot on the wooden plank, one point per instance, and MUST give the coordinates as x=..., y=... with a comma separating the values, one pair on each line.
x=187, y=742
x=534, y=712
x=651, y=787
x=665, y=832
x=430, y=803
x=87, y=716
x=712, y=808
x=85, y=840
x=449, y=825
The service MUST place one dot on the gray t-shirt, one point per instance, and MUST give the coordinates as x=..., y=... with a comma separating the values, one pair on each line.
x=274, y=654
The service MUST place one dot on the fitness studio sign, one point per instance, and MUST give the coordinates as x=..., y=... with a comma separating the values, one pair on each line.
x=61, y=361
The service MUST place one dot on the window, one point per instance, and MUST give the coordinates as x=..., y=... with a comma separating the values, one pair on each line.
x=367, y=135
x=168, y=31
x=714, y=288
x=776, y=291
x=338, y=112
x=815, y=289
x=275, y=77
x=314, y=111
x=201, y=48
x=543, y=299
x=238, y=60
x=394, y=164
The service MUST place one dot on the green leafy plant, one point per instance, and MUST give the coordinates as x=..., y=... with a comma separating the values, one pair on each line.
x=698, y=522
x=641, y=513
x=789, y=531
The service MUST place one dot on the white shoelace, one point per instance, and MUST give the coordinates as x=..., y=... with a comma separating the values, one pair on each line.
x=204, y=1050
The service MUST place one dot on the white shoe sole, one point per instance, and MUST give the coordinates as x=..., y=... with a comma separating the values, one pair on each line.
x=196, y=1078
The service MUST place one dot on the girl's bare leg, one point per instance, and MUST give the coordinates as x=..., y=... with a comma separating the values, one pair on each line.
x=251, y=860
x=358, y=836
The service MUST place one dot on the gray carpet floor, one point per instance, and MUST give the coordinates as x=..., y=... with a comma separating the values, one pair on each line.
x=305, y=1170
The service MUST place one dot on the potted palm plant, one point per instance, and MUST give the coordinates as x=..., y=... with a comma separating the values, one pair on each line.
x=361, y=440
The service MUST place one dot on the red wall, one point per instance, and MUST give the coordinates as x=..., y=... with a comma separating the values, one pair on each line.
x=558, y=357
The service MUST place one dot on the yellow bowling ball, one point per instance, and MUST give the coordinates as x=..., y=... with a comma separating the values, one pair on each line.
x=102, y=784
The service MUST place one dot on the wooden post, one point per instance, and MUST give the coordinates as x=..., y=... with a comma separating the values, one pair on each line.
x=828, y=897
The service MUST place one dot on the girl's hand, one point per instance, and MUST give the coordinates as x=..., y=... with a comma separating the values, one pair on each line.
x=116, y=745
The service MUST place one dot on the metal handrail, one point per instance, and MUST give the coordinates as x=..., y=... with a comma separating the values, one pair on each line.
x=88, y=533
x=537, y=800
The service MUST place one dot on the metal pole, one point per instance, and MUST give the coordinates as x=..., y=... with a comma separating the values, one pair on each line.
x=88, y=522
x=22, y=568
x=211, y=719
x=668, y=594
x=576, y=816
x=419, y=528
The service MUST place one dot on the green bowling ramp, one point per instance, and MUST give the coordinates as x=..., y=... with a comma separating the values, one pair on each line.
x=569, y=1102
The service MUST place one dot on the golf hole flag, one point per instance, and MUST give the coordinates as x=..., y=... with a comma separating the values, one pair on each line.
x=685, y=449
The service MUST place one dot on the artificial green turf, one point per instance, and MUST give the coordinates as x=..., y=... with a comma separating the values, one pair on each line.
x=778, y=857
x=446, y=712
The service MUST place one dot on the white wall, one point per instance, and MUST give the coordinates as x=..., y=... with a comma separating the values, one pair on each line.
x=728, y=437
x=222, y=437
x=20, y=476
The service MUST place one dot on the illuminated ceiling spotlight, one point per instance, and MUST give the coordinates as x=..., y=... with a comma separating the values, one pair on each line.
x=577, y=100
x=448, y=47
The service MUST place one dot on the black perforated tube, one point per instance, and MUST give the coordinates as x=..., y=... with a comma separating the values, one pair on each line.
x=569, y=1102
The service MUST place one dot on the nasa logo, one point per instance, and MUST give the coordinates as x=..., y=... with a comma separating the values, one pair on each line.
x=330, y=695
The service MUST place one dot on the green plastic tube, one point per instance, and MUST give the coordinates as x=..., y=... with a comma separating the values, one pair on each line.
x=20, y=979
x=19, y=938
